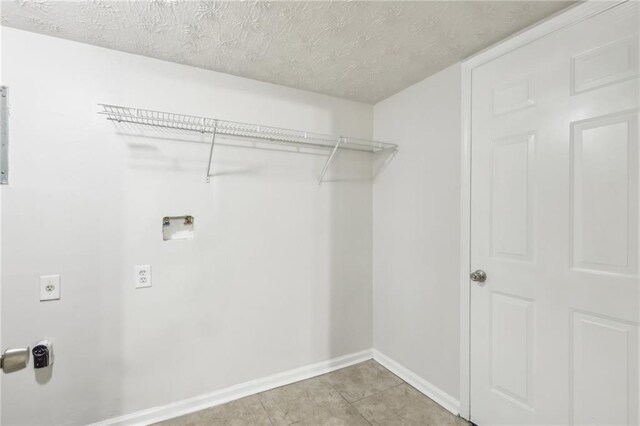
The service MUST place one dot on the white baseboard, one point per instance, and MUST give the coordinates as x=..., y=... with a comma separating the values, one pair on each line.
x=231, y=393
x=190, y=405
x=433, y=392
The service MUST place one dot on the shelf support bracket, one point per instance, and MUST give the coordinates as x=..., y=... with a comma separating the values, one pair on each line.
x=330, y=159
x=4, y=136
x=394, y=151
x=213, y=140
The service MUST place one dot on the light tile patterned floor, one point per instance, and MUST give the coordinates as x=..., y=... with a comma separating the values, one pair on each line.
x=363, y=394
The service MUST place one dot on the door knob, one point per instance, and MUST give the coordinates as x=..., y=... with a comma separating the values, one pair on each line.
x=14, y=359
x=478, y=276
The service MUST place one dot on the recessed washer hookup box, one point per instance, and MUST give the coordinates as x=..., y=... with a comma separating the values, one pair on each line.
x=177, y=228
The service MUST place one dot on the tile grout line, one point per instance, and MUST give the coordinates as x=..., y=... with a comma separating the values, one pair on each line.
x=361, y=414
x=326, y=382
x=381, y=391
x=349, y=403
x=423, y=402
x=369, y=396
x=362, y=399
x=414, y=388
x=265, y=409
x=321, y=377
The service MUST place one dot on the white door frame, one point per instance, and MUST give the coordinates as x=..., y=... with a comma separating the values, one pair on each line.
x=572, y=16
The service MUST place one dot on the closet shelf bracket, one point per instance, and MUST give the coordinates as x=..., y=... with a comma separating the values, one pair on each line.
x=330, y=159
x=213, y=140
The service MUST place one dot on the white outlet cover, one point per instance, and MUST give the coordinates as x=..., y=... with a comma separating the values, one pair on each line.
x=49, y=287
x=142, y=276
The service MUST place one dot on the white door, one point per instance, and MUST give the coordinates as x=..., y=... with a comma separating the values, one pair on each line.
x=554, y=224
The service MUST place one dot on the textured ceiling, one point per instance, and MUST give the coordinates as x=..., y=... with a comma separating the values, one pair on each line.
x=365, y=51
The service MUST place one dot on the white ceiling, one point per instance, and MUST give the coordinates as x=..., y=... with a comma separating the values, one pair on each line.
x=365, y=51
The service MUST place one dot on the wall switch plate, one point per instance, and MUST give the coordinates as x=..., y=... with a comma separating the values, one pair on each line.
x=49, y=287
x=143, y=276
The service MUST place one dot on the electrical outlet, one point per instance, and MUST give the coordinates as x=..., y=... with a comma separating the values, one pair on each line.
x=49, y=287
x=143, y=276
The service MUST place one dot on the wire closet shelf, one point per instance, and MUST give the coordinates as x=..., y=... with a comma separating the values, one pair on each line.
x=268, y=134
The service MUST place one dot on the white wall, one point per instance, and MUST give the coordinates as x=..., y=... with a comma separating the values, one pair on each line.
x=278, y=276
x=416, y=235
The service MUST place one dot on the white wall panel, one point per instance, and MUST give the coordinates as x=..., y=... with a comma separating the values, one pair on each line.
x=277, y=276
x=512, y=96
x=605, y=193
x=512, y=331
x=605, y=65
x=511, y=192
x=417, y=231
x=604, y=365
